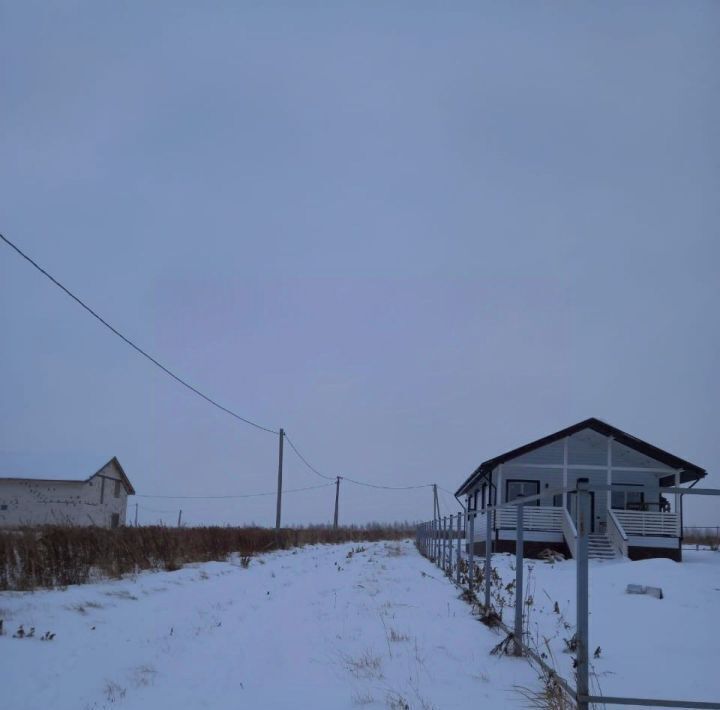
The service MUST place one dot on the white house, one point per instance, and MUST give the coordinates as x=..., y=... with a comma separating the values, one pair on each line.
x=55, y=496
x=635, y=522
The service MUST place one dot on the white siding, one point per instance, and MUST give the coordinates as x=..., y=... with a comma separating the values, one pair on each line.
x=587, y=458
x=37, y=502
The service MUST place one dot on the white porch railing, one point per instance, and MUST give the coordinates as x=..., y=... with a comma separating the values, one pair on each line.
x=647, y=523
x=535, y=517
x=569, y=531
x=616, y=534
x=479, y=526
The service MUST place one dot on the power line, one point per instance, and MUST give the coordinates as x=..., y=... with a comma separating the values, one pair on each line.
x=454, y=498
x=387, y=488
x=132, y=344
x=243, y=495
x=305, y=461
x=196, y=391
x=445, y=503
x=351, y=480
x=152, y=510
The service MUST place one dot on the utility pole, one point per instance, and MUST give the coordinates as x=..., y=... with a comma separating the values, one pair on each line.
x=136, y=509
x=436, y=504
x=180, y=518
x=337, y=500
x=279, y=484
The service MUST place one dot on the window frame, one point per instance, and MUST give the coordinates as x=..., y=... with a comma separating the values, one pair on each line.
x=534, y=481
x=624, y=494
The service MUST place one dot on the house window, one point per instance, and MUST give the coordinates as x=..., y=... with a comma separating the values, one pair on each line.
x=114, y=520
x=472, y=501
x=117, y=488
x=557, y=500
x=521, y=489
x=3, y=507
x=483, y=496
x=628, y=500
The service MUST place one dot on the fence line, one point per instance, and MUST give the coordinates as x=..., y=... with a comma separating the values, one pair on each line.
x=431, y=539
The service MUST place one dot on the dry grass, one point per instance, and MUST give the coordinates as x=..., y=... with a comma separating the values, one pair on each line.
x=708, y=537
x=397, y=636
x=53, y=556
x=366, y=666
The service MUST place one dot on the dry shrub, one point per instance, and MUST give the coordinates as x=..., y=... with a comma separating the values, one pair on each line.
x=551, y=696
x=52, y=556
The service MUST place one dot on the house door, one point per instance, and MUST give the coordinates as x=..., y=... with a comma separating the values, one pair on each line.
x=572, y=508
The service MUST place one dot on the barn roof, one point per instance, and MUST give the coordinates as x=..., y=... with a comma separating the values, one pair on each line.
x=690, y=471
x=60, y=469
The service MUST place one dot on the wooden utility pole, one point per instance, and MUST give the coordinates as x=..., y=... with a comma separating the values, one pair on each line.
x=337, y=499
x=180, y=518
x=278, y=513
x=136, y=509
x=436, y=504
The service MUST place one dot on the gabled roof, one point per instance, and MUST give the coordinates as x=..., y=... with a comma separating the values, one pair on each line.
x=58, y=469
x=690, y=471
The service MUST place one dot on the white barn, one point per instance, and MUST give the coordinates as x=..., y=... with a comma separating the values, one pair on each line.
x=54, y=495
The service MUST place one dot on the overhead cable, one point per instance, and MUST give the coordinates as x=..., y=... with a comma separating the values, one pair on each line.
x=135, y=347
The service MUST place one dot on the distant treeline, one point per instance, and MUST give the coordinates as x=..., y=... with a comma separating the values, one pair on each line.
x=56, y=556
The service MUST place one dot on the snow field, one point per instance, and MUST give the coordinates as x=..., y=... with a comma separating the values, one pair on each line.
x=327, y=627
x=654, y=648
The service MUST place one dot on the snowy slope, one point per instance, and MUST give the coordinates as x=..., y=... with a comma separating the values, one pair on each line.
x=311, y=628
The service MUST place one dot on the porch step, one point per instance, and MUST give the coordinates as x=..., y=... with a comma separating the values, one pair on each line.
x=599, y=547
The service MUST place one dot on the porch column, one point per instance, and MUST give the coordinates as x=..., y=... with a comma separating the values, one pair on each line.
x=498, y=493
x=609, y=476
x=565, y=473
x=678, y=504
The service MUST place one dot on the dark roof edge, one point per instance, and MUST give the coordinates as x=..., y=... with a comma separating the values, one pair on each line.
x=123, y=476
x=601, y=427
x=125, y=479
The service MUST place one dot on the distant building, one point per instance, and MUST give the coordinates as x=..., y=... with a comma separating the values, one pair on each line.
x=55, y=496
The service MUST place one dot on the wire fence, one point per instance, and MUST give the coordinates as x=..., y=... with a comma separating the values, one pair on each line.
x=449, y=542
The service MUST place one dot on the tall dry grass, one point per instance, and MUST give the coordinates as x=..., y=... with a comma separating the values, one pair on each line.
x=55, y=556
x=708, y=536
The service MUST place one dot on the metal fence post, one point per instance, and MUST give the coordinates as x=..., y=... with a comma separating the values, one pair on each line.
x=471, y=549
x=450, y=543
x=519, y=550
x=583, y=528
x=488, y=553
x=457, y=549
x=434, y=540
x=443, y=557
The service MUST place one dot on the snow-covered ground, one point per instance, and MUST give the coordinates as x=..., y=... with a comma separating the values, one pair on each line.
x=322, y=628
x=311, y=628
x=657, y=648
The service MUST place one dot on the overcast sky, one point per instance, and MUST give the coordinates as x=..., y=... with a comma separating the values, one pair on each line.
x=413, y=234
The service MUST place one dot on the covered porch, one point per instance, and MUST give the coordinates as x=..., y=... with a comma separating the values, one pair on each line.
x=628, y=533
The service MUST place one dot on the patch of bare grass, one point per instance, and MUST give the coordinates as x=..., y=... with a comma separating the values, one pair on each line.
x=397, y=636
x=367, y=666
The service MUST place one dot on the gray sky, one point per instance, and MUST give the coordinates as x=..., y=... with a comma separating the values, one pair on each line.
x=415, y=235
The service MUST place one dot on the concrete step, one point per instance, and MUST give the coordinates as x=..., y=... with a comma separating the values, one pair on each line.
x=599, y=547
